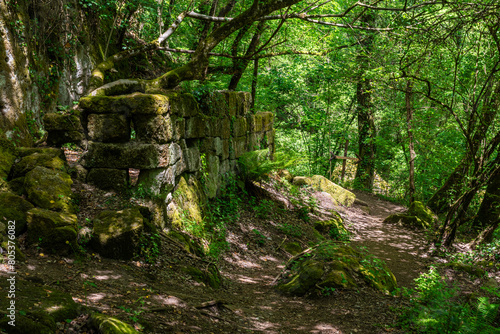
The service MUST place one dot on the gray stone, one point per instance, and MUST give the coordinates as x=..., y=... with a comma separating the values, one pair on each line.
x=239, y=147
x=213, y=169
x=55, y=231
x=192, y=158
x=158, y=181
x=195, y=127
x=117, y=233
x=154, y=128
x=127, y=155
x=114, y=128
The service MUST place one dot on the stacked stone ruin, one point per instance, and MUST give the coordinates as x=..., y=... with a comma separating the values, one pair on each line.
x=165, y=136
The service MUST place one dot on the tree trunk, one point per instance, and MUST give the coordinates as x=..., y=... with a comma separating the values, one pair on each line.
x=365, y=173
x=409, y=122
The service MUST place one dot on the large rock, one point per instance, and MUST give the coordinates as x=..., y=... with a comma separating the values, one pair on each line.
x=55, y=231
x=109, y=128
x=14, y=208
x=158, y=128
x=340, y=195
x=418, y=216
x=42, y=306
x=127, y=155
x=157, y=181
x=136, y=103
x=117, y=233
x=7, y=158
x=187, y=203
x=29, y=162
x=49, y=189
x=63, y=129
x=338, y=266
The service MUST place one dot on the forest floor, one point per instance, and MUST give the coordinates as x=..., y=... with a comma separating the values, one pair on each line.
x=160, y=298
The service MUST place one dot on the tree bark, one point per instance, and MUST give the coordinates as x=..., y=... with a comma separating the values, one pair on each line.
x=365, y=173
x=409, y=123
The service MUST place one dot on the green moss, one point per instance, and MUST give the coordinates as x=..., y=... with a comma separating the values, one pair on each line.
x=54, y=231
x=29, y=162
x=109, y=325
x=339, y=195
x=189, y=244
x=306, y=278
x=425, y=214
x=135, y=103
x=116, y=233
x=292, y=248
x=211, y=276
x=49, y=189
x=17, y=186
x=14, y=208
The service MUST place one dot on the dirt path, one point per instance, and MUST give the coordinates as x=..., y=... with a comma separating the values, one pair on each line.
x=266, y=311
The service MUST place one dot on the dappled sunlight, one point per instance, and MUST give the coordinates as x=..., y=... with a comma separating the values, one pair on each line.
x=262, y=325
x=169, y=301
x=96, y=297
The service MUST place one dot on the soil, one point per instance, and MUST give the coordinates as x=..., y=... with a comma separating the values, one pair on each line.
x=160, y=298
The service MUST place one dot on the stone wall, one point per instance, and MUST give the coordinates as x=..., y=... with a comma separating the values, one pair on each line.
x=169, y=137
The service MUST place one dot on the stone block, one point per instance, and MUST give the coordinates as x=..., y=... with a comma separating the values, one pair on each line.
x=267, y=120
x=55, y=231
x=158, y=181
x=49, y=189
x=14, y=208
x=192, y=159
x=239, y=147
x=226, y=129
x=213, y=170
x=108, y=128
x=154, y=128
x=135, y=103
x=213, y=127
x=256, y=141
x=183, y=104
x=270, y=136
x=127, y=155
x=195, y=127
x=240, y=127
x=109, y=178
x=225, y=149
x=117, y=233
x=63, y=129
x=257, y=125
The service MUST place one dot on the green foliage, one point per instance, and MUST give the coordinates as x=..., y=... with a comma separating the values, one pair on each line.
x=437, y=308
x=149, y=244
x=257, y=165
x=258, y=237
x=291, y=230
x=263, y=210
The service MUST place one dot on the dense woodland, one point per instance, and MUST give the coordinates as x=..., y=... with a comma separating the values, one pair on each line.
x=407, y=90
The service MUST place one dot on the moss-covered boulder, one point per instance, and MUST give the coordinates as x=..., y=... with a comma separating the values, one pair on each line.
x=63, y=128
x=54, y=231
x=7, y=157
x=339, y=195
x=185, y=240
x=49, y=189
x=16, y=186
x=335, y=265
x=109, y=325
x=187, y=203
x=117, y=233
x=418, y=216
x=210, y=276
x=42, y=307
x=29, y=162
x=333, y=228
x=153, y=104
x=51, y=151
x=14, y=208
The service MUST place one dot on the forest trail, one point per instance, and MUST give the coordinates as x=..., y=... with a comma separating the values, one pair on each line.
x=266, y=311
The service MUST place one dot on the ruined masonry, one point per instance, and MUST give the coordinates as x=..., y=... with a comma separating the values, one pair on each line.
x=169, y=137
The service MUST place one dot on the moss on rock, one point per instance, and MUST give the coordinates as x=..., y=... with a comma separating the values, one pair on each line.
x=418, y=216
x=43, y=307
x=49, y=189
x=292, y=248
x=340, y=195
x=14, y=208
x=29, y=162
x=187, y=203
x=54, y=231
x=117, y=233
x=114, y=128
x=210, y=276
x=189, y=244
x=109, y=325
x=339, y=266
x=135, y=103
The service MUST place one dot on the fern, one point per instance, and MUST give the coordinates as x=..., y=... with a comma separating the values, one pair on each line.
x=256, y=165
